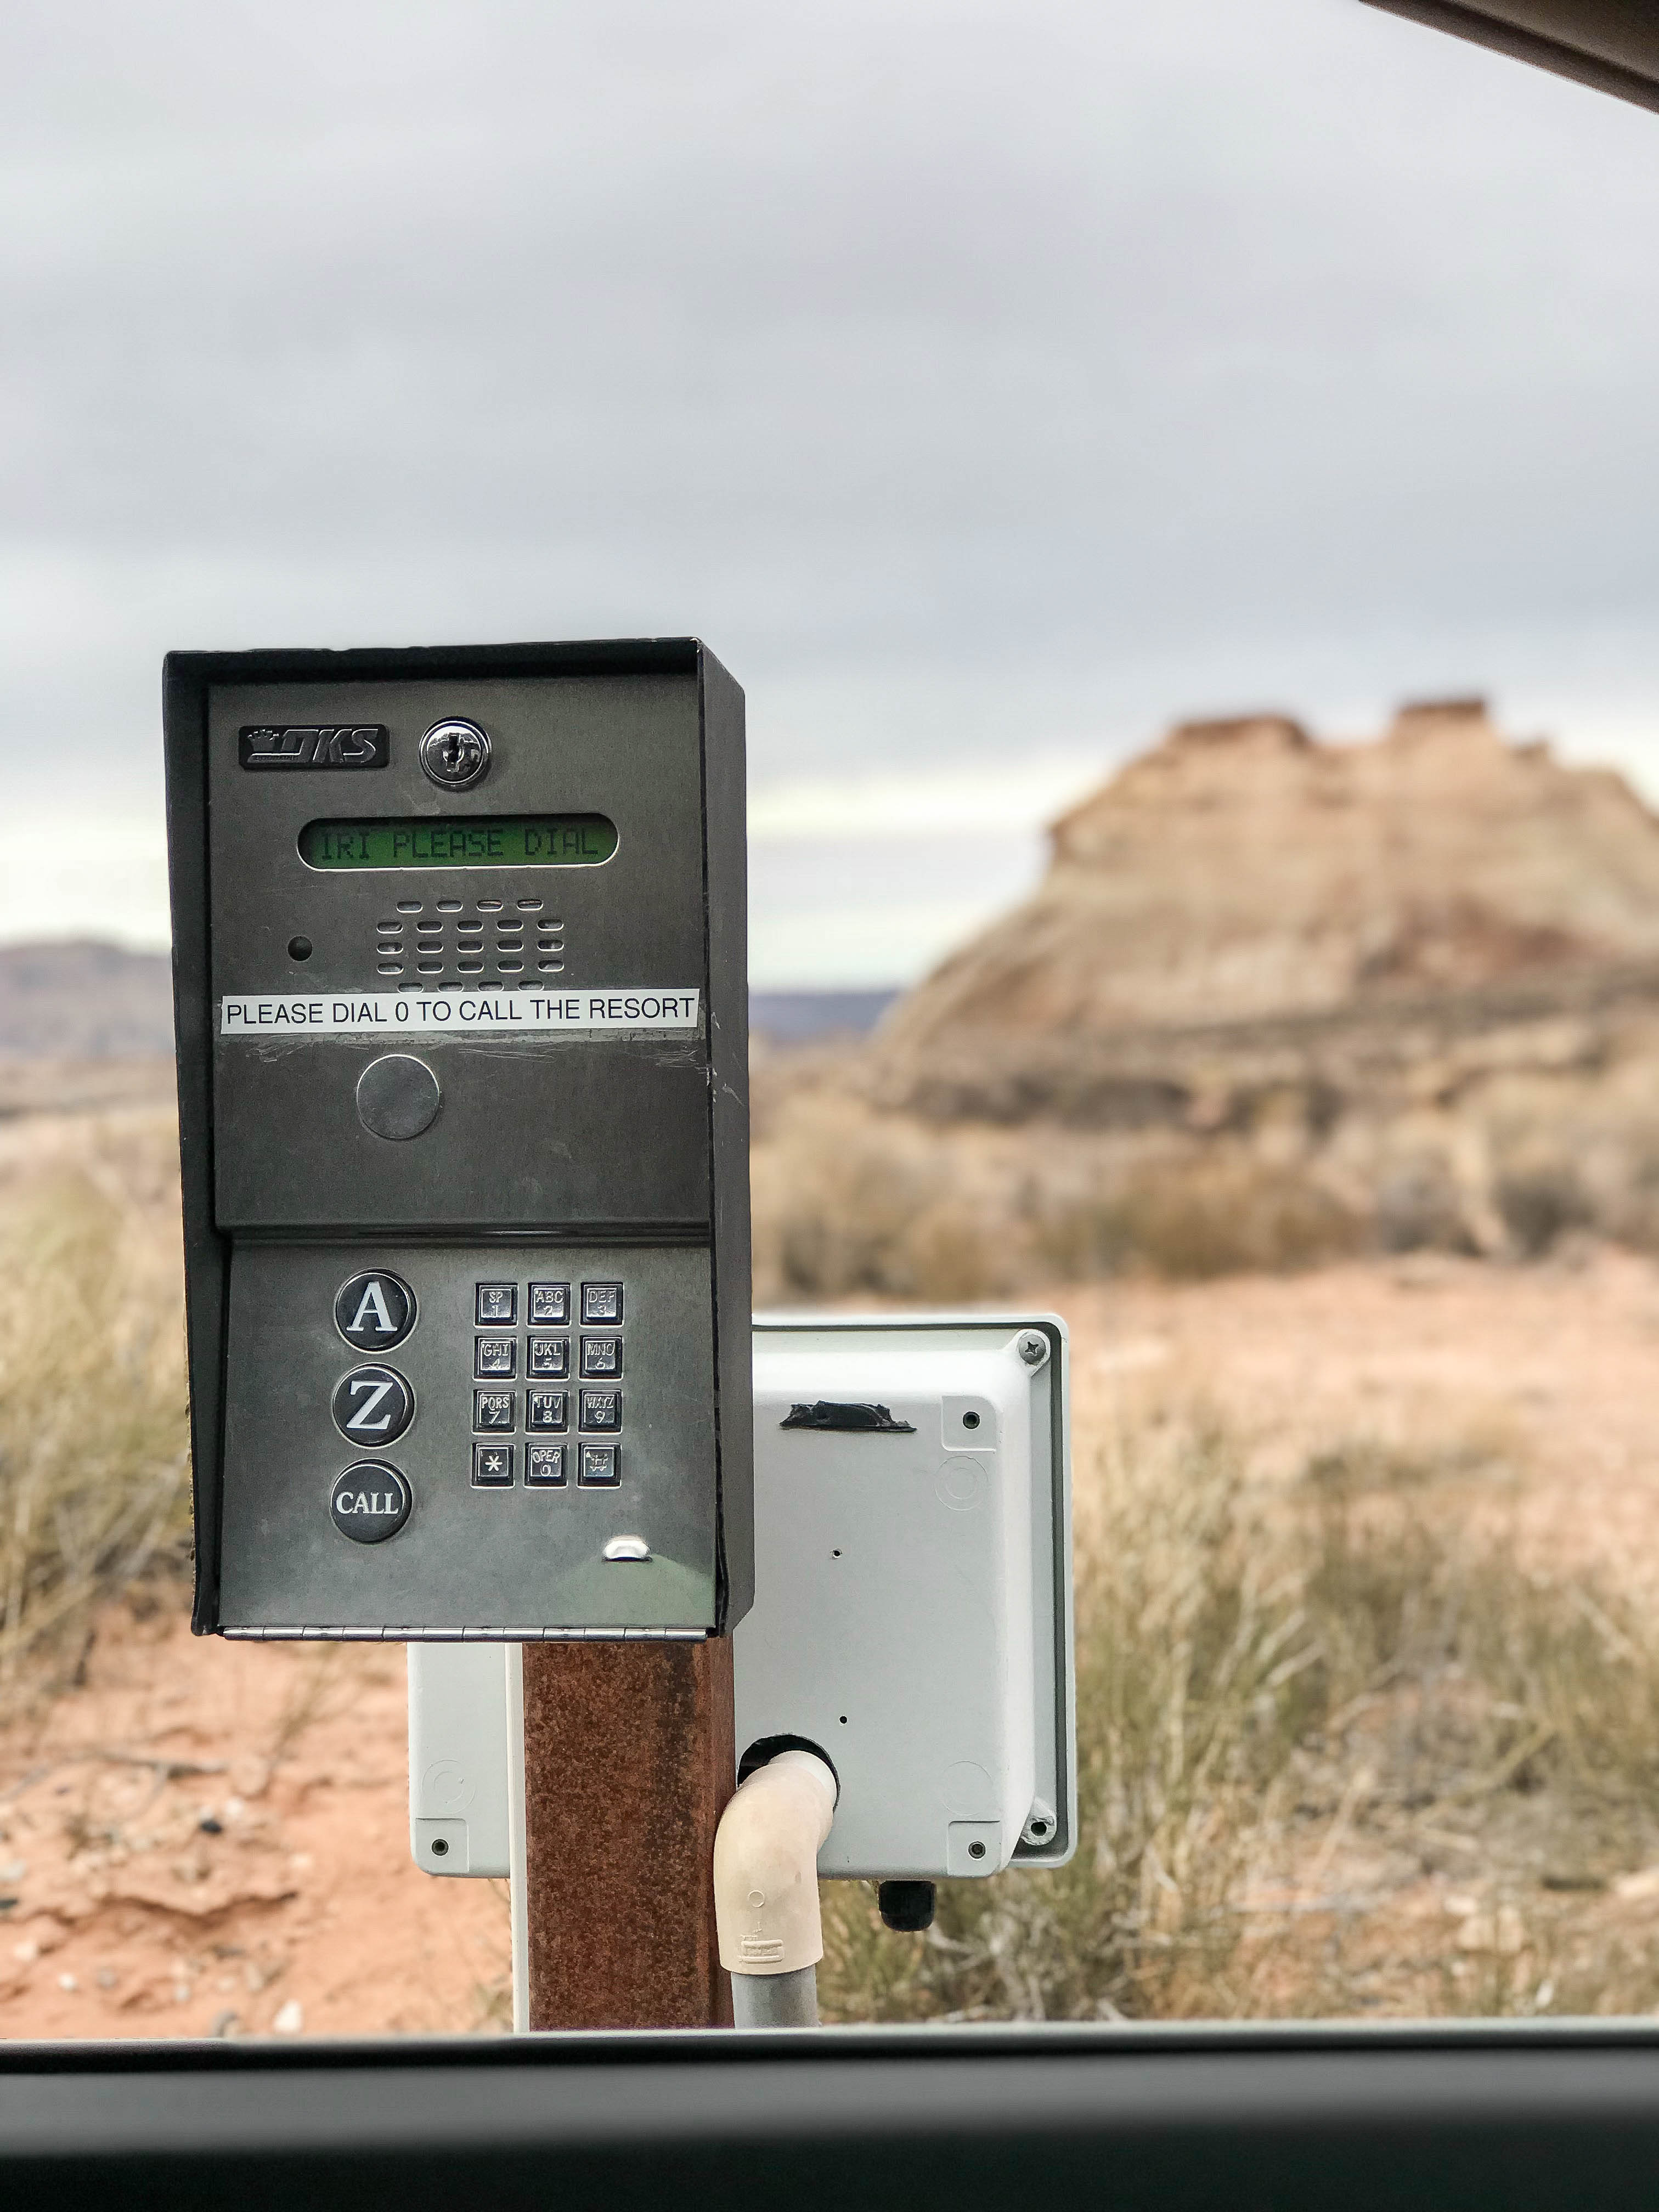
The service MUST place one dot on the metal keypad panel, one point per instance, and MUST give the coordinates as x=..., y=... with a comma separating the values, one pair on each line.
x=503, y=1413
x=597, y=1412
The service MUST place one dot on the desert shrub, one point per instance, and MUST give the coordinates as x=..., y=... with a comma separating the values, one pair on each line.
x=1075, y=1226
x=1519, y=1679
x=1214, y=1209
x=944, y=1254
x=93, y=1460
x=1540, y=1202
x=1221, y=1213
x=834, y=1198
x=849, y=1200
x=1418, y=1207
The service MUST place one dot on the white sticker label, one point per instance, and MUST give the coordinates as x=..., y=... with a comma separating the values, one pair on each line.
x=410, y=1013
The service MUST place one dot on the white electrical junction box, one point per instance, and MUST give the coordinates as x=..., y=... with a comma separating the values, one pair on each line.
x=913, y=1585
x=913, y=1609
x=459, y=1750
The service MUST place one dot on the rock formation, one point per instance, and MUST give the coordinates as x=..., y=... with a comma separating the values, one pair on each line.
x=1246, y=905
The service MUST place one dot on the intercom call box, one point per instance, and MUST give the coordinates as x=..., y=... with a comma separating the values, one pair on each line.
x=461, y=981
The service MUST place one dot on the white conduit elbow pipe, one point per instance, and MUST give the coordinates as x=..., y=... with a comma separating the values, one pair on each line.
x=766, y=1889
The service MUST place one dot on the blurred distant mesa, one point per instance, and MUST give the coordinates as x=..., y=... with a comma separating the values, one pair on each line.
x=84, y=1000
x=1276, y=998
x=1246, y=918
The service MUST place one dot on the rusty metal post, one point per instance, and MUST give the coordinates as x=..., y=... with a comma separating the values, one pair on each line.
x=629, y=1760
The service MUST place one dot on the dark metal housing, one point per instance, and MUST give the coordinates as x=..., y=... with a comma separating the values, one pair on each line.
x=596, y=1144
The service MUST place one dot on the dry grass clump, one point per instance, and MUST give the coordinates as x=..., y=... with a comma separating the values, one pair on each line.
x=850, y=1200
x=1497, y=1681
x=1334, y=1757
x=847, y=1200
x=94, y=1461
x=1186, y=1216
x=1227, y=1211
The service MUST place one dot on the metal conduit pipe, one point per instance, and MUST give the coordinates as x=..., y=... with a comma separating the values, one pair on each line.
x=766, y=1889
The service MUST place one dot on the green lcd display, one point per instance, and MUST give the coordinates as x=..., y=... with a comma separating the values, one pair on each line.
x=500, y=841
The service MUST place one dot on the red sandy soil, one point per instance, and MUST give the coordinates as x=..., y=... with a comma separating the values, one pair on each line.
x=212, y=1839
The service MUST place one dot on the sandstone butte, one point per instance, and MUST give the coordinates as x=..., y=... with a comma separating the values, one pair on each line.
x=1244, y=887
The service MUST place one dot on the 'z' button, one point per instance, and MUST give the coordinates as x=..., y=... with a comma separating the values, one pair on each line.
x=373, y=1406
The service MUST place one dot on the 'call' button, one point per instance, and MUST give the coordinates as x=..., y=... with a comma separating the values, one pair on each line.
x=369, y=1502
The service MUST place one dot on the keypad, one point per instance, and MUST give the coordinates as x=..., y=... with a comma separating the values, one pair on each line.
x=548, y=1358
x=374, y=1405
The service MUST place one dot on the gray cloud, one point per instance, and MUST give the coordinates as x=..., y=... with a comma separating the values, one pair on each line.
x=966, y=373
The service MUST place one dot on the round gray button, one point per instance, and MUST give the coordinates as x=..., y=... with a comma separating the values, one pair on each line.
x=454, y=755
x=398, y=1096
x=369, y=1502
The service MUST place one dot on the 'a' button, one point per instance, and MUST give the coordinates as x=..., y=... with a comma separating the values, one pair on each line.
x=374, y=1311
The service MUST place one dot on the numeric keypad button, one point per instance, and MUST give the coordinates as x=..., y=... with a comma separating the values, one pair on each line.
x=602, y=1355
x=547, y=1410
x=601, y=1410
x=602, y=1301
x=492, y=1466
x=494, y=1355
x=373, y=1405
x=600, y=1467
x=549, y=1306
x=494, y=1409
x=495, y=1303
x=550, y=1355
x=543, y=1466
x=374, y=1311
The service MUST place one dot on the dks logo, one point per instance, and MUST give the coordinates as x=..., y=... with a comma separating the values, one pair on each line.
x=311, y=744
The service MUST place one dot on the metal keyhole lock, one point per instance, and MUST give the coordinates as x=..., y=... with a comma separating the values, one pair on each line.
x=455, y=754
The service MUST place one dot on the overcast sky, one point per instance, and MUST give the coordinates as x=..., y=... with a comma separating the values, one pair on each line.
x=988, y=381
